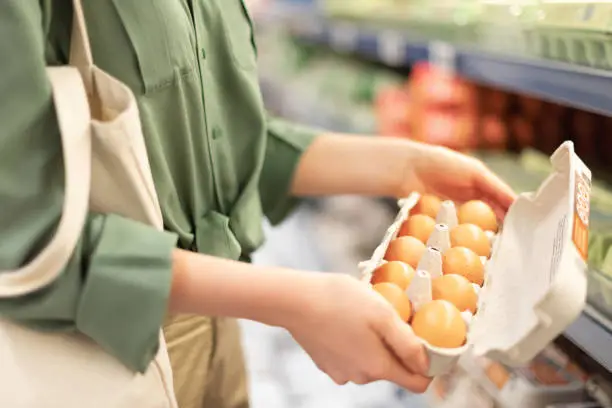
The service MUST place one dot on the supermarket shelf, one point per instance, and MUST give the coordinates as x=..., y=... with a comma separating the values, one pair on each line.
x=592, y=332
x=580, y=87
x=570, y=85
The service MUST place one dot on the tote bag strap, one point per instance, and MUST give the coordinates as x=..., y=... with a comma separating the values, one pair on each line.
x=80, y=49
x=74, y=117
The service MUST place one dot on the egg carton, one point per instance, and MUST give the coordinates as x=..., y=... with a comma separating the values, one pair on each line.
x=520, y=387
x=535, y=279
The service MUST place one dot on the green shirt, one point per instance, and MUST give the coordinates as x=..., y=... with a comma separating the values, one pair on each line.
x=219, y=162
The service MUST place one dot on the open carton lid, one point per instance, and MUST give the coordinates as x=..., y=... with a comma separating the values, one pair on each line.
x=536, y=281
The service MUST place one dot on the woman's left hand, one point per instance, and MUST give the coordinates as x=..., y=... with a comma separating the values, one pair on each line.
x=374, y=166
x=451, y=175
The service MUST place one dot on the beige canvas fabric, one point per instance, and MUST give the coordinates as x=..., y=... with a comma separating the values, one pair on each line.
x=208, y=362
x=106, y=169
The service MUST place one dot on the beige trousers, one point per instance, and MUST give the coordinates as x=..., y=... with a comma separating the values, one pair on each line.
x=207, y=362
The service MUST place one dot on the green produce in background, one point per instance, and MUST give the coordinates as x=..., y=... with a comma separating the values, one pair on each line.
x=576, y=32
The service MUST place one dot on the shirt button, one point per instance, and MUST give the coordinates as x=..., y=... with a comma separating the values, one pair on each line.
x=203, y=53
x=216, y=133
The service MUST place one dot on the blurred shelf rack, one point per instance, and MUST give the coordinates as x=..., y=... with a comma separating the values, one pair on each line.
x=564, y=83
x=592, y=333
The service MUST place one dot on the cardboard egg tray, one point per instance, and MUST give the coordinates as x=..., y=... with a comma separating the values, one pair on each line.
x=429, y=268
x=535, y=278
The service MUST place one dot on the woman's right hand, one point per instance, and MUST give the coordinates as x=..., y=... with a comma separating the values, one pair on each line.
x=354, y=335
x=349, y=330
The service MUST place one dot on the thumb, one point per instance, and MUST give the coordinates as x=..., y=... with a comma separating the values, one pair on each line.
x=495, y=191
x=398, y=374
x=409, y=350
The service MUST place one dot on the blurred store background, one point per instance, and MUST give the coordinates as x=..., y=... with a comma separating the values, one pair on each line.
x=506, y=80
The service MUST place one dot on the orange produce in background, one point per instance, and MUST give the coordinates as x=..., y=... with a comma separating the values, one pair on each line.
x=419, y=226
x=493, y=133
x=430, y=86
x=397, y=298
x=450, y=129
x=405, y=249
x=531, y=107
x=396, y=272
x=554, y=110
x=444, y=108
x=392, y=112
x=440, y=324
x=472, y=237
x=523, y=131
x=495, y=102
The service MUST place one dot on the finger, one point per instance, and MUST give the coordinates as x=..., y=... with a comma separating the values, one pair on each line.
x=398, y=374
x=339, y=380
x=406, y=346
x=499, y=194
x=338, y=377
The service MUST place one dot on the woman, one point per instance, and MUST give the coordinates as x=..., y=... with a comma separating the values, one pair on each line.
x=220, y=165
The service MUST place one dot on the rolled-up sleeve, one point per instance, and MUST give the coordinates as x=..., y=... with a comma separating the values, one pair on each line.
x=285, y=145
x=115, y=287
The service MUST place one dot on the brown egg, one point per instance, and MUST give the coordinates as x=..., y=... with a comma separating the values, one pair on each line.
x=419, y=226
x=471, y=236
x=465, y=262
x=397, y=298
x=440, y=324
x=497, y=374
x=478, y=213
x=457, y=290
x=428, y=205
x=405, y=249
x=396, y=272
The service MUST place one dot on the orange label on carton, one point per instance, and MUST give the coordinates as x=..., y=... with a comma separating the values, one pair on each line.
x=582, y=208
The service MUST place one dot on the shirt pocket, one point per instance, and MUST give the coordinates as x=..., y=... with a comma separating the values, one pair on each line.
x=162, y=37
x=239, y=32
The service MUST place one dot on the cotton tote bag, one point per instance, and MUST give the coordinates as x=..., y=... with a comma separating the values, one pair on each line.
x=106, y=170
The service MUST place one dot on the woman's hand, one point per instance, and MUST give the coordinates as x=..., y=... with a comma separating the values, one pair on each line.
x=349, y=330
x=454, y=176
x=375, y=166
x=354, y=335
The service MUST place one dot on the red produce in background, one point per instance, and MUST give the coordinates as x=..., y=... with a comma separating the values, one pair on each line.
x=392, y=110
x=432, y=107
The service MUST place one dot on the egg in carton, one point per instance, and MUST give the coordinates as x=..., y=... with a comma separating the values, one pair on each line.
x=534, y=280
